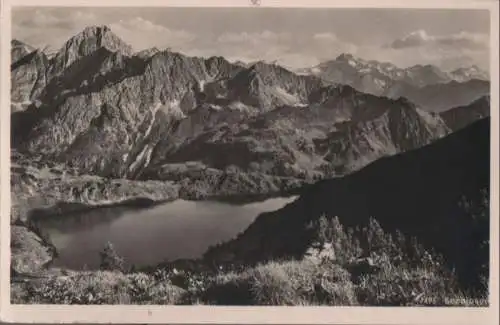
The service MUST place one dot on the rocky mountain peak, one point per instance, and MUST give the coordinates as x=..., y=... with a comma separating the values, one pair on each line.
x=19, y=49
x=216, y=59
x=218, y=66
x=147, y=53
x=260, y=67
x=427, y=68
x=85, y=43
x=345, y=57
x=15, y=42
x=466, y=73
x=94, y=37
x=422, y=75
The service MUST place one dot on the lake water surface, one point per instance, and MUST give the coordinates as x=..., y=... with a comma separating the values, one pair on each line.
x=148, y=236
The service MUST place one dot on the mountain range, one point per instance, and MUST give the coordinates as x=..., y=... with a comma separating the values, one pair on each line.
x=100, y=108
x=425, y=85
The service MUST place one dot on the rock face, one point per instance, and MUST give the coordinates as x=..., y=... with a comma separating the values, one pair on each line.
x=434, y=193
x=29, y=253
x=100, y=108
x=86, y=43
x=28, y=79
x=340, y=132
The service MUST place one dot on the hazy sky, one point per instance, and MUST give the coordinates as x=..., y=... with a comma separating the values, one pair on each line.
x=293, y=37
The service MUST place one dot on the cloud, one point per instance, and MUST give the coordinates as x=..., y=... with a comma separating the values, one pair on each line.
x=322, y=37
x=142, y=33
x=254, y=38
x=290, y=50
x=51, y=19
x=41, y=26
x=460, y=40
x=447, y=51
x=445, y=58
x=47, y=26
x=139, y=24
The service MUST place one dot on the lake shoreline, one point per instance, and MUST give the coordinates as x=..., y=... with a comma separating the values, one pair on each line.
x=61, y=208
x=38, y=217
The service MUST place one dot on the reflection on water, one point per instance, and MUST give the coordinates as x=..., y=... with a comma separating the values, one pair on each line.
x=180, y=229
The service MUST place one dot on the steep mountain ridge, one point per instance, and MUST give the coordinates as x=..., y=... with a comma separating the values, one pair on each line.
x=145, y=94
x=400, y=128
x=92, y=39
x=269, y=85
x=335, y=136
x=128, y=92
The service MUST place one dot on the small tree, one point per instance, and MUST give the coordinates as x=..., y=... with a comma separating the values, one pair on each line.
x=110, y=260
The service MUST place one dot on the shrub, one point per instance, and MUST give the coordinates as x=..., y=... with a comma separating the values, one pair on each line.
x=101, y=287
x=344, y=242
x=110, y=260
x=402, y=286
x=398, y=270
x=79, y=288
x=284, y=283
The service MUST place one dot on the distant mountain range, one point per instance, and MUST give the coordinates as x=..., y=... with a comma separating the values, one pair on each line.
x=426, y=85
x=98, y=107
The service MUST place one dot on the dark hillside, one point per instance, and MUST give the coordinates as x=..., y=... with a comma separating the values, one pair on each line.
x=429, y=193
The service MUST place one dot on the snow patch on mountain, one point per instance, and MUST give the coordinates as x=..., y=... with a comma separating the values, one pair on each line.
x=286, y=97
x=172, y=108
x=143, y=158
